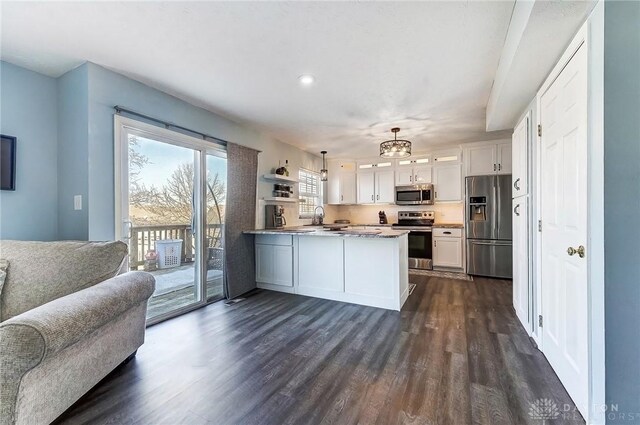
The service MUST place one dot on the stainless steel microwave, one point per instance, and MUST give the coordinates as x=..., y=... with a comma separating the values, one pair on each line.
x=417, y=194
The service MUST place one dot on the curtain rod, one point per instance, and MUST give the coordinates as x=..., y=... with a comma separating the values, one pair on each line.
x=167, y=124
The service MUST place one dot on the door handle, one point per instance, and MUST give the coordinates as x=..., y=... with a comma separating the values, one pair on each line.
x=516, y=210
x=377, y=197
x=127, y=226
x=499, y=167
x=411, y=178
x=573, y=251
x=494, y=167
x=515, y=184
x=341, y=197
x=372, y=197
x=415, y=178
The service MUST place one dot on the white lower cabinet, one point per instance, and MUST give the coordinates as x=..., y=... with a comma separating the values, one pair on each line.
x=368, y=271
x=521, y=260
x=274, y=260
x=447, y=248
x=317, y=257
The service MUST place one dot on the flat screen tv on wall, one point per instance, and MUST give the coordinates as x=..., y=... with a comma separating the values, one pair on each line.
x=7, y=163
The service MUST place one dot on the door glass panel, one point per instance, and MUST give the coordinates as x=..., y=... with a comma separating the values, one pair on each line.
x=161, y=205
x=214, y=242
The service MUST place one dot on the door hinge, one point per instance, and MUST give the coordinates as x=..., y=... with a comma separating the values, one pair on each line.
x=539, y=130
x=540, y=320
x=539, y=225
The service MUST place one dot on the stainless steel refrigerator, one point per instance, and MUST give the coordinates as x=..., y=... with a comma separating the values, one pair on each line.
x=488, y=226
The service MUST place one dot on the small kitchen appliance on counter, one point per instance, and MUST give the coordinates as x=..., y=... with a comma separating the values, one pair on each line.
x=274, y=217
x=419, y=224
x=382, y=217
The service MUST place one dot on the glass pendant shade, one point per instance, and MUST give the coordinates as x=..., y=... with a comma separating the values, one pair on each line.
x=324, y=173
x=395, y=148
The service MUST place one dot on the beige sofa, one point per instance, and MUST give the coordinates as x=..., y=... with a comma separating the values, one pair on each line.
x=67, y=319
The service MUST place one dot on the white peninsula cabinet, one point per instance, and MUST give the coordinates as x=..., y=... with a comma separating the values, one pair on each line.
x=274, y=260
x=359, y=267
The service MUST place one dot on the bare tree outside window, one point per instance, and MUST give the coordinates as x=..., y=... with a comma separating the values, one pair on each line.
x=171, y=203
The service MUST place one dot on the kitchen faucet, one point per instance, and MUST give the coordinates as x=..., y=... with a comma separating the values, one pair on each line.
x=317, y=218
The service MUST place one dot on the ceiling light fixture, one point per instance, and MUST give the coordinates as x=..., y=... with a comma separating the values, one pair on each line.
x=395, y=148
x=306, y=79
x=324, y=173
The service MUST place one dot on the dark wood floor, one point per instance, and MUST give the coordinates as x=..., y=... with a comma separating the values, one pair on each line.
x=454, y=355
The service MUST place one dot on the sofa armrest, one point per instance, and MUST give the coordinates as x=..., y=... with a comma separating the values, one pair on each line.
x=28, y=338
x=62, y=322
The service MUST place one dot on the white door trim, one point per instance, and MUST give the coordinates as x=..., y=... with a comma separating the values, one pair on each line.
x=590, y=35
x=121, y=127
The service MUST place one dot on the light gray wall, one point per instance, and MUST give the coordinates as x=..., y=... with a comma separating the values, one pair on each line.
x=28, y=112
x=107, y=89
x=622, y=205
x=72, y=154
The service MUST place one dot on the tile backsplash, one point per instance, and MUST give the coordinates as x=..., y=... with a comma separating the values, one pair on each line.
x=368, y=214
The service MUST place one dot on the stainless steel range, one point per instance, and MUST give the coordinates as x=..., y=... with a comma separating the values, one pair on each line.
x=419, y=224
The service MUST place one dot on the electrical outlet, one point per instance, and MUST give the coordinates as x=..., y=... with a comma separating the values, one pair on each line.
x=77, y=202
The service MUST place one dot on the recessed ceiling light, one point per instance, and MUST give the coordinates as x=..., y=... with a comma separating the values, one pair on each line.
x=306, y=79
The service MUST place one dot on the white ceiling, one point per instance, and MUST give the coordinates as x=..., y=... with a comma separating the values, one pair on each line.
x=426, y=67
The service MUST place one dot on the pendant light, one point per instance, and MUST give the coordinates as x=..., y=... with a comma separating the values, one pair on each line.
x=395, y=148
x=324, y=174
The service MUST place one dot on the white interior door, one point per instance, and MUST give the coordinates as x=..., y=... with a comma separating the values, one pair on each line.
x=564, y=219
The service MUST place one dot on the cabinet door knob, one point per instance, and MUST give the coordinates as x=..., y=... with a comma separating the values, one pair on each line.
x=515, y=184
x=516, y=210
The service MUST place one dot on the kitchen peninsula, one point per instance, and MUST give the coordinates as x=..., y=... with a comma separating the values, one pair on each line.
x=361, y=266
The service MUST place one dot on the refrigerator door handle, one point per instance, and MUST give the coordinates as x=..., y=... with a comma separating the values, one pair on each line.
x=496, y=220
x=492, y=243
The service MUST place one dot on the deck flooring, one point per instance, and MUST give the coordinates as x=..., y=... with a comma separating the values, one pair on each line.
x=455, y=354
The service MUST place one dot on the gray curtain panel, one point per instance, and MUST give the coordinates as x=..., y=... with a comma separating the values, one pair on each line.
x=240, y=215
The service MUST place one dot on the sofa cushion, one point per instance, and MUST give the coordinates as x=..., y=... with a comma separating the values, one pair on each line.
x=44, y=271
x=4, y=265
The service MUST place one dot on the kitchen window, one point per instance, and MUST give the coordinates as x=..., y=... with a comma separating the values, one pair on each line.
x=310, y=192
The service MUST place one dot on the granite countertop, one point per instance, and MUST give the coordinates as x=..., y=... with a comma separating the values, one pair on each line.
x=373, y=232
x=449, y=225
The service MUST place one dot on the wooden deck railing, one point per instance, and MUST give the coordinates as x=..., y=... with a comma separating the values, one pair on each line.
x=143, y=238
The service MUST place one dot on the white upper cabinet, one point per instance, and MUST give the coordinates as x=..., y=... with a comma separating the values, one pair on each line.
x=366, y=187
x=520, y=145
x=385, y=188
x=413, y=171
x=481, y=160
x=341, y=184
x=447, y=182
x=488, y=158
x=376, y=186
x=504, y=158
x=422, y=174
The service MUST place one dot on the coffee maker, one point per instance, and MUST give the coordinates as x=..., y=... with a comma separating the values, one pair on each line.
x=274, y=217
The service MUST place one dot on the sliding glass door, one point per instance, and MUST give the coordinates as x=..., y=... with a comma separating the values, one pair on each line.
x=170, y=195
